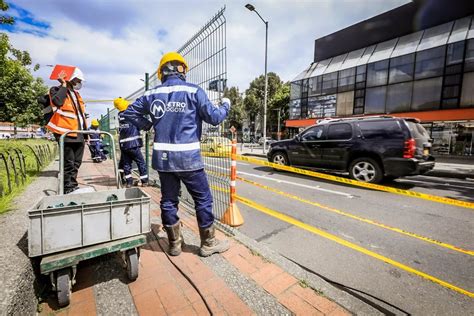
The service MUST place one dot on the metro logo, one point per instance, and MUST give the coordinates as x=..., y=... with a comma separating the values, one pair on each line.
x=158, y=108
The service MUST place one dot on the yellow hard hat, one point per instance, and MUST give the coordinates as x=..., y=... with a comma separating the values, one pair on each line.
x=171, y=56
x=121, y=104
x=95, y=123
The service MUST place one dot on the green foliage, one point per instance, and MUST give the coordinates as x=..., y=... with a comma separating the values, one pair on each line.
x=278, y=98
x=5, y=19
x=237, y=113
x=19, y=90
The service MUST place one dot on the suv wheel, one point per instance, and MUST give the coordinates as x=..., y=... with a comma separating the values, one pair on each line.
x=366, y=170
x=280, y=158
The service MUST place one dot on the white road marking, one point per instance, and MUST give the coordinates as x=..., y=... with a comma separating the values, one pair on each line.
x=314, y=187
x=243, y=164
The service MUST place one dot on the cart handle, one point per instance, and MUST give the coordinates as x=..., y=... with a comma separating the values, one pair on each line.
x=61, y=157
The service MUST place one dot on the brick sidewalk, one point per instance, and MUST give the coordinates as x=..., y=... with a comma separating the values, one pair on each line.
x=162, y=290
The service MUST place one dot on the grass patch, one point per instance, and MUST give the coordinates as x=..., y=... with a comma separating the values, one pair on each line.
x=304, y=284
x=26, y=170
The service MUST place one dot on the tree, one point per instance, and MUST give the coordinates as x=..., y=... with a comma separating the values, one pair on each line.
x=280, y=102
x=19, y=90
x=5, y=19
x=236, y=114
x=254, y=98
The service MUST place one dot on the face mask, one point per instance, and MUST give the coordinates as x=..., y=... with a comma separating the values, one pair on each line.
x=77, y=86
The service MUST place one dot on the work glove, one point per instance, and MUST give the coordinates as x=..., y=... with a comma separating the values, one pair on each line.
x=226, y=100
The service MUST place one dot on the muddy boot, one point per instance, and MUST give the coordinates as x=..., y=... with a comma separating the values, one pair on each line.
x=175, y=239
x=209, y=243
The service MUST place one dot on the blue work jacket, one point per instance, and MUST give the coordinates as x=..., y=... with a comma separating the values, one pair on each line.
x=129, y=133
x=93, y=138
x=177, y=110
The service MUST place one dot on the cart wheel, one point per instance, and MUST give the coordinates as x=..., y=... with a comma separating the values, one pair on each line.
x=63, y=287
x=132, y=264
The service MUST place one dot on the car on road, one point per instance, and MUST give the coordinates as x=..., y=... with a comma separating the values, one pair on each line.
x=216, y=146
x=369, y=148
x=268, y=141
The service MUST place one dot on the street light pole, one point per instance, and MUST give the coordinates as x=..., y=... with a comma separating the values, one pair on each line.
x=252, y=8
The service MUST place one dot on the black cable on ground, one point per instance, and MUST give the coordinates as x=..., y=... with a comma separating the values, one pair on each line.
x=184, y=274
x=351, y=291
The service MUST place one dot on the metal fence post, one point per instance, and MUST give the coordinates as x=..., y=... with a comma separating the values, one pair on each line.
x=147, y=134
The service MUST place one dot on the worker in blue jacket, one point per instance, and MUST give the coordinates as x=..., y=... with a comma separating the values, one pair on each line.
x=98, y=153
x=130, y=142
x=177, y=109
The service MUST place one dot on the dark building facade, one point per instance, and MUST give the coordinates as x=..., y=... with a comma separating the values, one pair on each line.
x=414, y=61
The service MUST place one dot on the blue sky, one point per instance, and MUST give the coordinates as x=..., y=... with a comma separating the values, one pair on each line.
x=116, y=42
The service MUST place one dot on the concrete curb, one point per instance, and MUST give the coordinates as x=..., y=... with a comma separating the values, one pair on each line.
x=342, y=298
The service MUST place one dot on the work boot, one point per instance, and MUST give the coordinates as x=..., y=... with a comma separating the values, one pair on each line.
x=175, y=239
x=209, y=243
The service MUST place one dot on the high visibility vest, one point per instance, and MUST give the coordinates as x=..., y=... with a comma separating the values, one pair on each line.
x=66, y=118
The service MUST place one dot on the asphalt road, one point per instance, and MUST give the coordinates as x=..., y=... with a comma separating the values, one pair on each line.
x=354, y=231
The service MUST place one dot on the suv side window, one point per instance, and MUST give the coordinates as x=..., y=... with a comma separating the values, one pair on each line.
x=313, y=134
x=340, y=131
x=389, y=129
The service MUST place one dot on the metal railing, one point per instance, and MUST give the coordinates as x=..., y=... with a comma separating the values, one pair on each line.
x=17, y=166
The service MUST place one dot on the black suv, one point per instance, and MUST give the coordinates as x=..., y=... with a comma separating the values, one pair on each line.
x=369, y=148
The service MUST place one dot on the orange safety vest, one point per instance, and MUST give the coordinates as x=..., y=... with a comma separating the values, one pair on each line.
x=65, y=118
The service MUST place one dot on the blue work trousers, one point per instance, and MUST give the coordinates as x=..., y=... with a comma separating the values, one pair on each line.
x=128, y=156
x=198, y=187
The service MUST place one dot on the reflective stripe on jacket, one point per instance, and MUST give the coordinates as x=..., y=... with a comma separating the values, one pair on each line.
x=129, y=134
x=177, y=109
x=66, y=117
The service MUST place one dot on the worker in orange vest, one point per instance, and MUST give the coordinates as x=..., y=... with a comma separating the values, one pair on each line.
x=69, y=114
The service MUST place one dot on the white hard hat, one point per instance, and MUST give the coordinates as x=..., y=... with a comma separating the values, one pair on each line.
x=78, y=74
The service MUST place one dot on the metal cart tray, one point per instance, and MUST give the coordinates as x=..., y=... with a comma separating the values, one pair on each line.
x=59, y=223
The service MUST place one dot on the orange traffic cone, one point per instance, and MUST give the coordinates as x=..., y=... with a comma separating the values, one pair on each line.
x=232, y=216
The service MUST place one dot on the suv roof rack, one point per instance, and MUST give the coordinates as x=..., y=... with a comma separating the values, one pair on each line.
x=354, y=118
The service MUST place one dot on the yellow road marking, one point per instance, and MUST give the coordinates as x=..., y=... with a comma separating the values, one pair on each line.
x=424, y=196
x=314, y=230
x=365, y=220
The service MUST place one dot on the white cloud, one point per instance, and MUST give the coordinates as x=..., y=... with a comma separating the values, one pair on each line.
x=116, y=42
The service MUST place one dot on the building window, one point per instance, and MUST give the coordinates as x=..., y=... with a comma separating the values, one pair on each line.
x=324, y=106
x=315, y=85
x=426, y=94
x=360, y=73
x=375, y=100
x=401, y=68
x=346, y=80
x=295, y=109
x=398, y=97
x=345, y=103
x=304, y=108
x=430, y=63
x=359, y=95
x=469, y=62
x=467, y=95
x=295, y=90
x=377, y=73
x=330, y=83
x=339, y=131
x=455, y=53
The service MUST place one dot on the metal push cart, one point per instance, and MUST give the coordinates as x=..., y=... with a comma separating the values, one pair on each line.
x=66, y=229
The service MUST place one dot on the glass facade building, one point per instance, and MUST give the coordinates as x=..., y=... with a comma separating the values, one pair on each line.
x=428, y=71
